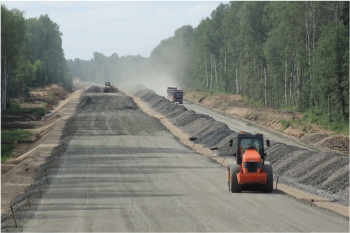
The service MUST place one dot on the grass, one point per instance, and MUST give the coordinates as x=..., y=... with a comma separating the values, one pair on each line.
x=285, y=124
x=342, y=128
x=337, y=126
x=17, y=134
x=6, y=151
x=15, y=108
x=11, y=135
x=308, y=119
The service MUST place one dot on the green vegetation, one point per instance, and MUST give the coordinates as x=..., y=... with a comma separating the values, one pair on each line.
x=6, y=151
x=31, y=55
x=329, y=124
x=11, y=135
x=312, y=118
x=15, y=108
x=285, y=124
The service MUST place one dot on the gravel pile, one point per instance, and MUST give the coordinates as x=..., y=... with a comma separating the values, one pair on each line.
x=93, y=89
x=313, y=138
x=336, y=142
x=323, y=173
x=207, y=131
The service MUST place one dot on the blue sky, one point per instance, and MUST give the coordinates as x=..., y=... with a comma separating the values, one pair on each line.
x=122, y=27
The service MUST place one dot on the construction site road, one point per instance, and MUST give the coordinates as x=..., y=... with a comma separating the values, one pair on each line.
x=124, y=171
x=238, y=124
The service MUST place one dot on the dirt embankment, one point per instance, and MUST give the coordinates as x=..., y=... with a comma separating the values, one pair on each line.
x=51, y=98
x=46, y=98
x=272, y=119
x=31, y=160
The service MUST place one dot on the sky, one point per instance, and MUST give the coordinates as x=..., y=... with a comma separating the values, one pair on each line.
x=122, y=27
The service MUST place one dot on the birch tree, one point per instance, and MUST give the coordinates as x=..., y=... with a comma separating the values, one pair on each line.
x=12, y=40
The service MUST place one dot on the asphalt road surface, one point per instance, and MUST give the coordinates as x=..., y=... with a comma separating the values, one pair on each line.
x=123, y=171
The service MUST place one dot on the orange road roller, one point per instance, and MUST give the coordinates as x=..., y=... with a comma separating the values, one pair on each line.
x=250, y=168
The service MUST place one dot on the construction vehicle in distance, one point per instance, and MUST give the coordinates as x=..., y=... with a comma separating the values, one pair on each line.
x=169, y=92
x=109, y=87
x=175, y=95
x=250, y=168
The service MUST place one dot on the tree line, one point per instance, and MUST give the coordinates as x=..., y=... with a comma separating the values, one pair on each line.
x=31, y=55
x=292, y=55
x=102, y=68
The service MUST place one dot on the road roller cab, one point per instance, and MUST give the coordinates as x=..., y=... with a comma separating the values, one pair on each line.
x=250, y=168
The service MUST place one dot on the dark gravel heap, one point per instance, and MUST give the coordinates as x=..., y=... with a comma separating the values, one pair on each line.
x=313, y=138
x=333, y=142
x=323, y=173
x=93, y=89
x=203, y=127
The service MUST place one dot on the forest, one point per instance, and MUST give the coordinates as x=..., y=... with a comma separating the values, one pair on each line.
x=285, y=55
x=291, y=55
x=31, y=55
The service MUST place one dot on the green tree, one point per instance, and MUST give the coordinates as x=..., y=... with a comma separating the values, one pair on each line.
x=40, y=78
x=199, y=74
x=253, y=31
x=44, y=43
x=331, y=73
x=12, y=40
x=22, y=79
x=231, y=27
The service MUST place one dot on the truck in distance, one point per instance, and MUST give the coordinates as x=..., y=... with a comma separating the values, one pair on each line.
x=175, y=95
x=169, y=92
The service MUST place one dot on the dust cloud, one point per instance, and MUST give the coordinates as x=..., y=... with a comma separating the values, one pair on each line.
x=156, y=82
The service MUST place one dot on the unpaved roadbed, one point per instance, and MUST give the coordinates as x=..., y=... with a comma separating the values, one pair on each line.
x=122, y=171
x=321, y=173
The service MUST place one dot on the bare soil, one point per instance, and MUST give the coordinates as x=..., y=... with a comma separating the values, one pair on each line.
x=18, y=171
x=15, y=177
x=271, y=119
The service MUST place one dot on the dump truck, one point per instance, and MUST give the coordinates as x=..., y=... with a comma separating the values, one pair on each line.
x=250, y=168
x=109, y=87
x=177, y=96
x=169, y=92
